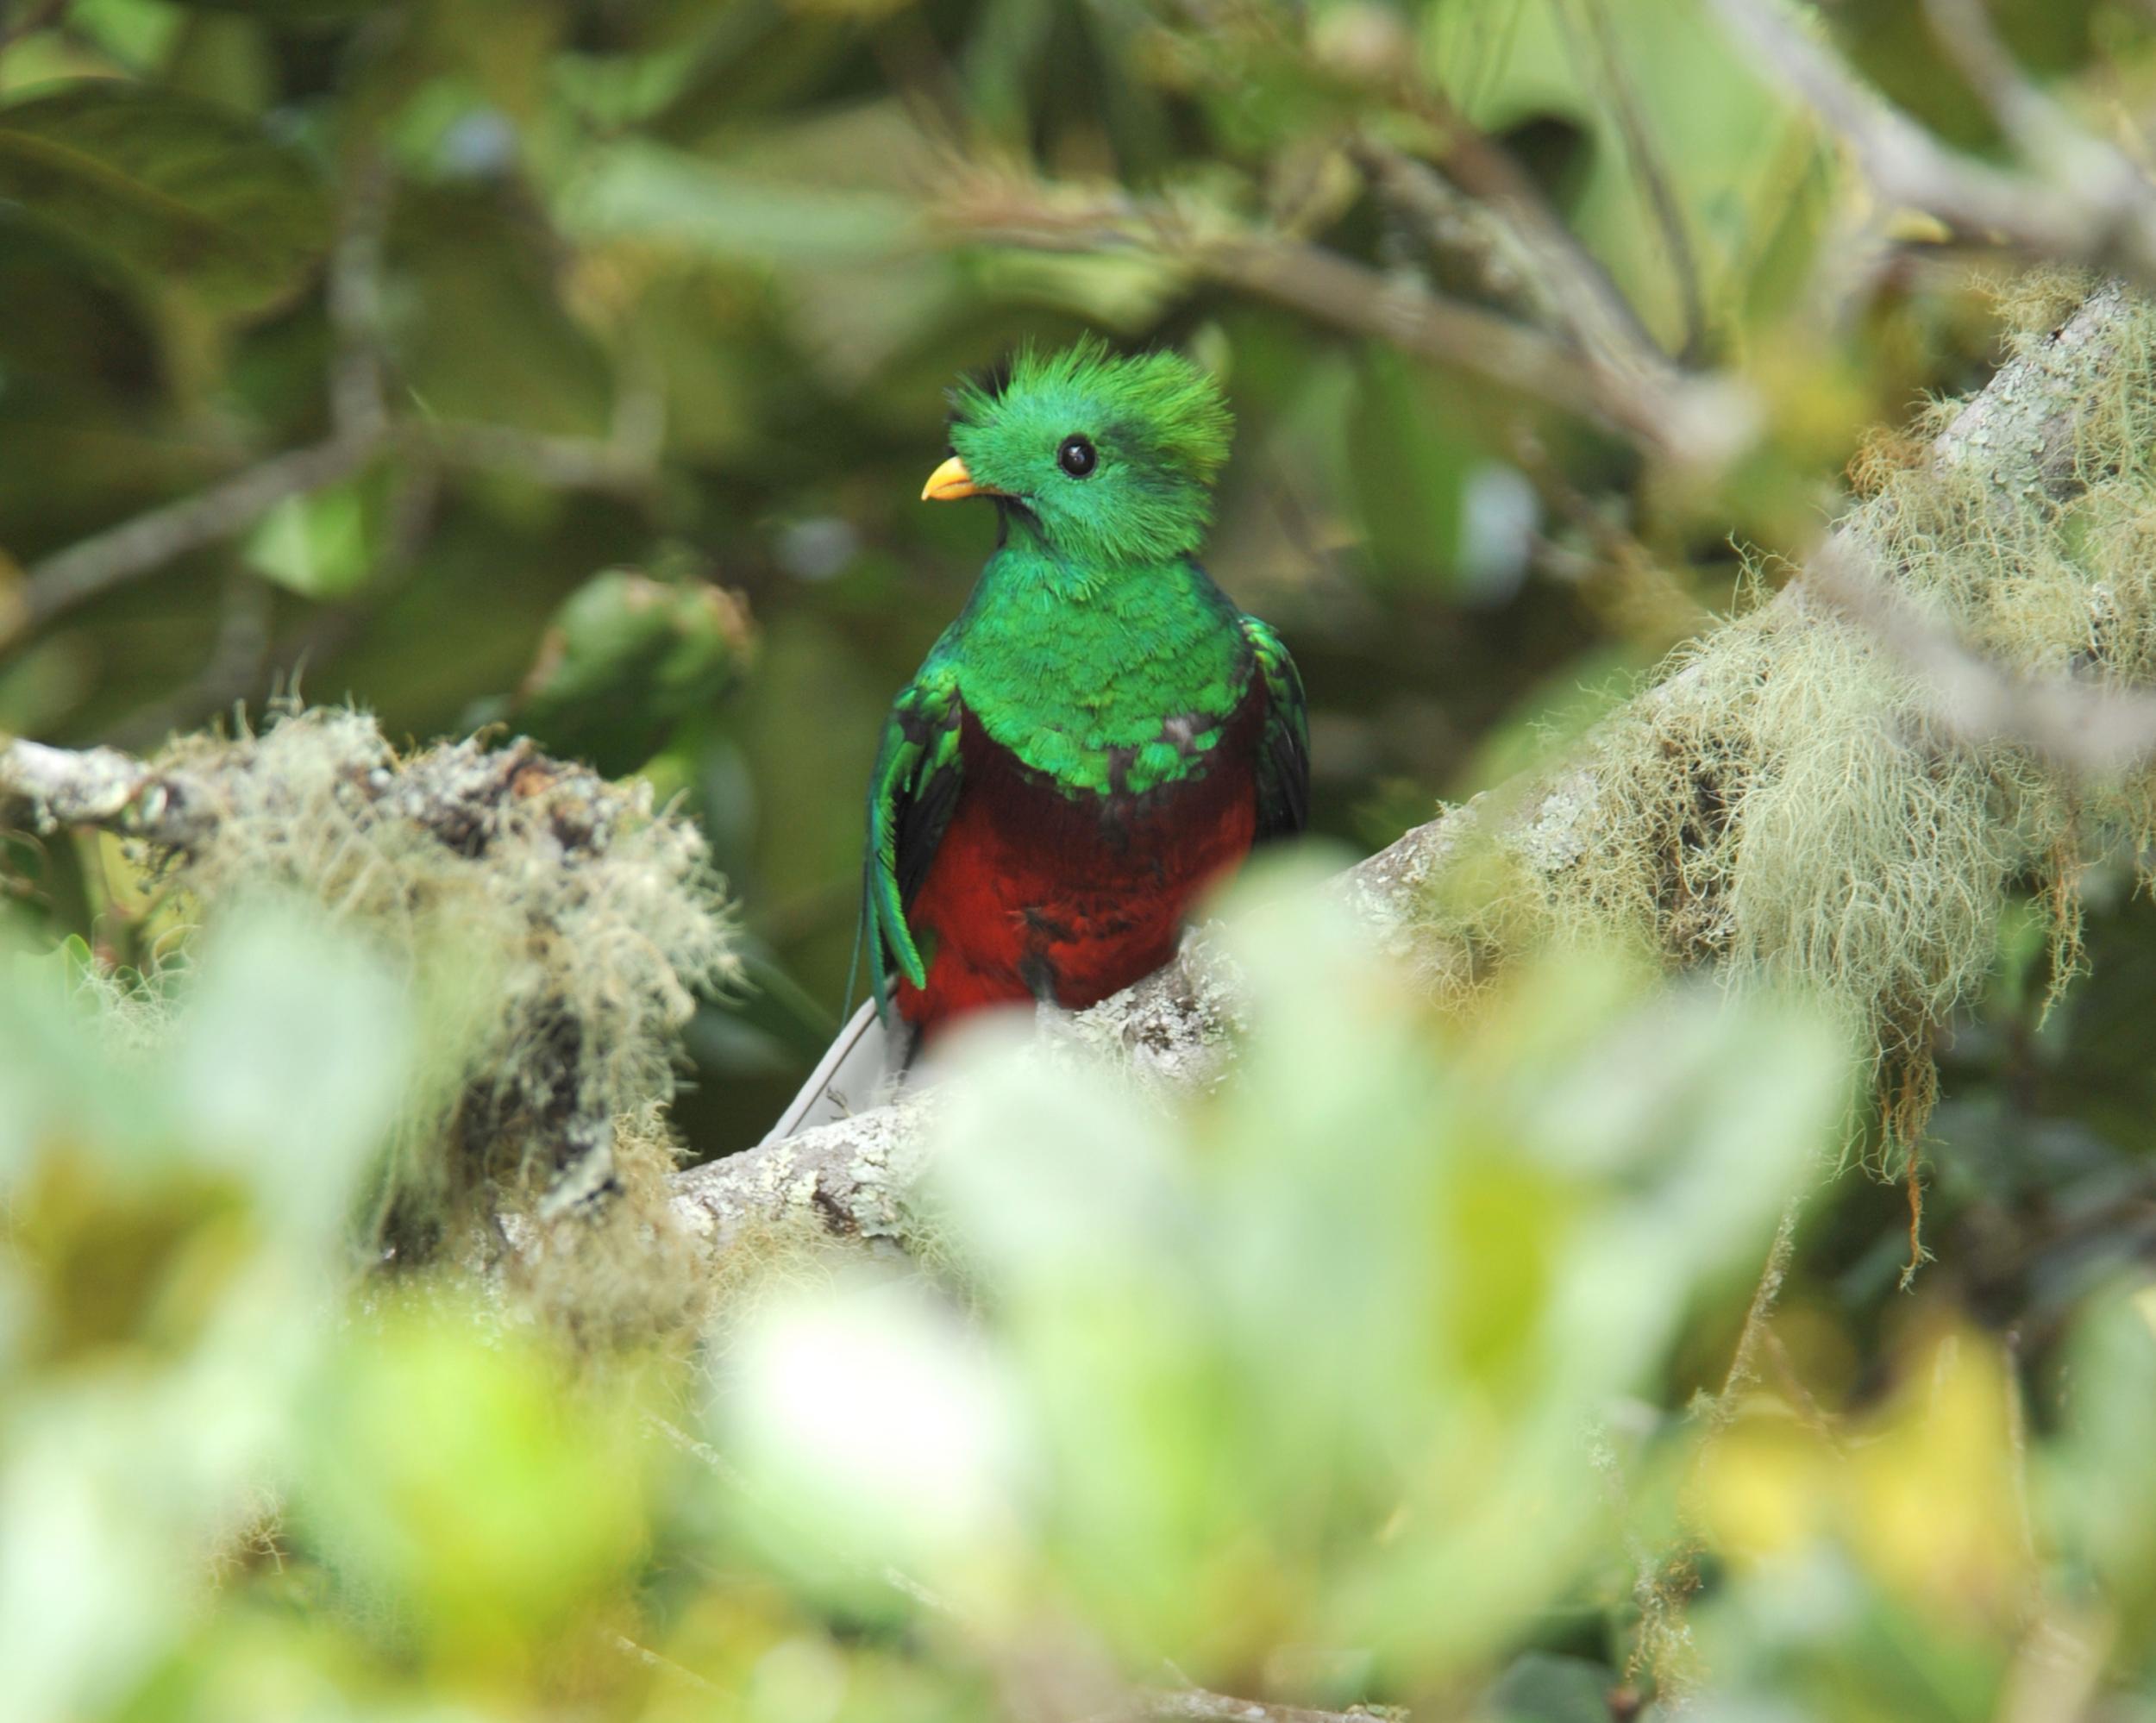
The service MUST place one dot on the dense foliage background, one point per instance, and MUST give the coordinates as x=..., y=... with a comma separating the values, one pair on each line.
x=575, y=364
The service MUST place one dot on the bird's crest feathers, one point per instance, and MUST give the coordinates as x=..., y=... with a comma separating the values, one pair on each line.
x=1110, y=457
x=1170, y=404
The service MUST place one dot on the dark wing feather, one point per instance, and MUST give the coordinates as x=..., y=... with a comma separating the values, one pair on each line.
x=1283, y=751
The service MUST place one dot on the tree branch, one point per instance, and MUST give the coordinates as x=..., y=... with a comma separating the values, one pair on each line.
x=2078, y=199
x=1623, y=382
x=96, y=564
x=852, y=1176
x=1196, y=1704
x=362, y=427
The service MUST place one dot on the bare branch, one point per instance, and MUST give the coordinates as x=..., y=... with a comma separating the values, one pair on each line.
x=1632, y=390
x=2079, y=202
x=358, y=418
x=1196, y=1704
x=359, y=407
x=565, y=463
x=1587, y=303
x=362, y=428
x=2082, y=728
x=2040, y=129
x=1545, y=265
x=73, y=576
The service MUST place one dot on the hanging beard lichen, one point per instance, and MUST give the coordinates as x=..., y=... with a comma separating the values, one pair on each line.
x=551, y=930
x=1790, y=802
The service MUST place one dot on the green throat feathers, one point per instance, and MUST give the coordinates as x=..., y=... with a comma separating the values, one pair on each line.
x=1093, y=647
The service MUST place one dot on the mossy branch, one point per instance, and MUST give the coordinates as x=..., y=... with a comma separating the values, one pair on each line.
x=550, y=927
x=1838, y=786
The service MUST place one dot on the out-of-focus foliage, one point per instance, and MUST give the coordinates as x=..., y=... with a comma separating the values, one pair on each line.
x=1395, y=1372
x=585, y=360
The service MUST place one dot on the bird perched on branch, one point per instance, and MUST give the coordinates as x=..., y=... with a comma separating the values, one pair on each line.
x=1100, y=734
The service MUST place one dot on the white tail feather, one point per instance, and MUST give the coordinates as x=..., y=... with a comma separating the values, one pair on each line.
x=845, y=1079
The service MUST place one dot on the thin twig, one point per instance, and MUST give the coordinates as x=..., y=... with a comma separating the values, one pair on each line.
x=1688, y=420
x=2036, y=124
x=566, y=463
x=1594, y=307
x=111, y=558
x=1197, y=1705
x=2073, y=206
x=1571, y=291
x=651, y=1659
x=1744, y=1361
x=362, y=428
x=1451, y=223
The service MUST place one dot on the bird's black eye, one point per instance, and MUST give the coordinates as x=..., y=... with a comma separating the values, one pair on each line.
x=1077, y=456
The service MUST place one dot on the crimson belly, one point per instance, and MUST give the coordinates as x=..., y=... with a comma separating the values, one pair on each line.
x=1033, y=894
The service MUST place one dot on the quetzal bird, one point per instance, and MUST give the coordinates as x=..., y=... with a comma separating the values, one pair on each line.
x=1101, y=734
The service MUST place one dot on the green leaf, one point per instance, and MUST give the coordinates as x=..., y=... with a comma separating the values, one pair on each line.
x=319, y=545
x=644, y=190
x=1542, y=1688
x=136, y=33
x=292, y=11
x=180, y=191
x=625, y=659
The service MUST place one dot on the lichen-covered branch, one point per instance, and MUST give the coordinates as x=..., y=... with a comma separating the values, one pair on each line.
x=850, y=1178
x=69, y=786
x=1838, y=787
x=552, y=927
x=1793, y=795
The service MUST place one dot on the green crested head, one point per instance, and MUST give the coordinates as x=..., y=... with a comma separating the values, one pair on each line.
x=1111, y=459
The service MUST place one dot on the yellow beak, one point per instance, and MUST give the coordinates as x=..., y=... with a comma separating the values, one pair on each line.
x=950, y=481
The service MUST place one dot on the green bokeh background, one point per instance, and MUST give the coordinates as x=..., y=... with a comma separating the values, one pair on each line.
x=660, y=300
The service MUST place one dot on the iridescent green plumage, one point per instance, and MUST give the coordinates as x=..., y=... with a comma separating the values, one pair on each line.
x=1095, y=664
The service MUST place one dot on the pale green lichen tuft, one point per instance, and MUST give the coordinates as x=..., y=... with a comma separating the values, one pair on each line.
x=552, y=929
x=1788, y=804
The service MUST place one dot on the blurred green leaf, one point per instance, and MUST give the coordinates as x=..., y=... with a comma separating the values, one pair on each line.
x=475, y=1486
x=1542, y=1688
x=624, y=659
x=302, y=12
x=318, y=545
x=639, y=190
x=180, y=191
